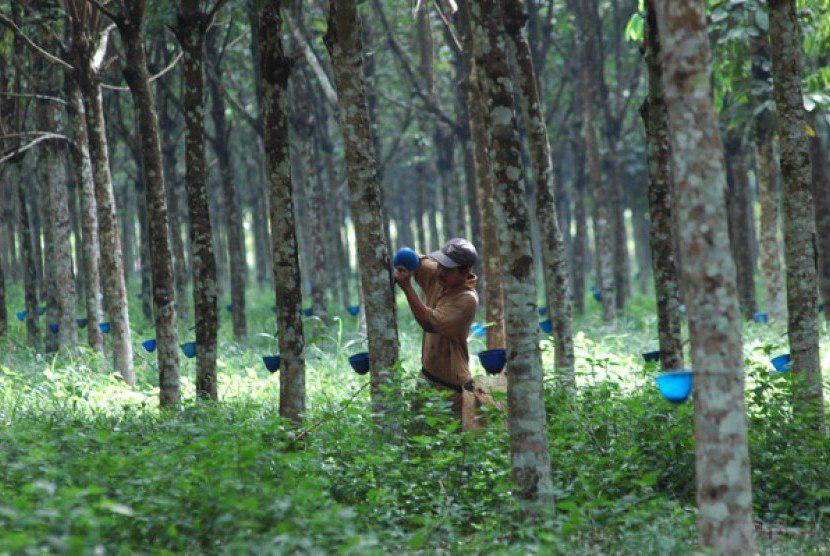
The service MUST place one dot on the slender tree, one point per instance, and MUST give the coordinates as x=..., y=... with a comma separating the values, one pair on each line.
x=660, y=194
x=821, y=197
x=724, y=493
x=530, y=458
x=556, y=273
x=799, y=221
x=275, y=68
x=192, y=22
x=344, y=45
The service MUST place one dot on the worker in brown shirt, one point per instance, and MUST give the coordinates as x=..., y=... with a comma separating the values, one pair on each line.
x=446, y=315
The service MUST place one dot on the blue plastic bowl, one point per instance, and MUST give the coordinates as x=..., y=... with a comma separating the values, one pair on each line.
x=353, y=310
x=53, y=328
x=682, y=309
x=821, y=307
x=229, y=307
x=272, y=362
x=82, y=322
x=104, y=327
x=478, y=330
x=546, y=326
x=543, y=311
x=406, y=258
x=149, y=345
x=675, y=385
x=598, y=296
x=493, y=360
x=761, y=318
x=41, y=311
x=360, y=362
x=650, y=356
x=782, y=363
x=21, y=316
x=594, y=288
x=189, y=349
x=307, y=312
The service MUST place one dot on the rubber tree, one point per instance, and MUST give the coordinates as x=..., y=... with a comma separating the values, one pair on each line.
x=529, y=454
x=275, y=68
x=799, y=217
x=724, y=493
x=556, y=272
x=343, y=41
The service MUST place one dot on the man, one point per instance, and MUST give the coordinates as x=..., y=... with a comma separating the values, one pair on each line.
x=446, y=315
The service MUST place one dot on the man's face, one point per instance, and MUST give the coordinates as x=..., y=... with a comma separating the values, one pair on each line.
x=451, y=277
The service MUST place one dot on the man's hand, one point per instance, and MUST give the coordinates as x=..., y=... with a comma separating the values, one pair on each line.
x=403, y=277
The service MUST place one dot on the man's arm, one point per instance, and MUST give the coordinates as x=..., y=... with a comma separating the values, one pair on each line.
x=419, y=310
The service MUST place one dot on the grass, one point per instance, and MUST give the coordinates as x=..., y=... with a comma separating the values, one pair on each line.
x=88, y=465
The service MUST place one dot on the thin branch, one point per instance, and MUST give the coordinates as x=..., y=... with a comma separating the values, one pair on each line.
x=48, y=56
x=454, y=42
x=251, y=120
x=313, y=61
x=30, y=95
x=45, y=136
x=160, y=74
x=216, y=7
x=103, y=39
x=100, y=7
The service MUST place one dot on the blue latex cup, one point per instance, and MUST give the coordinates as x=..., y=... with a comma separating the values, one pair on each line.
x=782, y=363
x=149, y=345
x=493, y=360
x=41, y=311
x=360, y=362
x=82, y=322
x=104, y=327
x=406, y=258
x=353, y=310
x=307, y=312
x=675, y=385
x=21, y=316
x=229, y=307
x=650, y=356
x=543, y=311
x=478, y=330
x=272, y=362
x=53, y=328
x=761, y=318
x=546, y=326
x=189, y=349
x=598, y=296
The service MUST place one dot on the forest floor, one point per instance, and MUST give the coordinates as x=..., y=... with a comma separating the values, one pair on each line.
x=88, y=465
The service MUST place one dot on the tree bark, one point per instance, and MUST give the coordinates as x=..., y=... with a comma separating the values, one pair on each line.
x=164, y=298
x=491, y=260
x=555, y=265
x=343, y=43
x=724, y=492
x=90, y=246
x=770, y=224
x=738, y=206
x=821, y=198
x=799, y=220
x=27, y=250
x=660, y=200
x=191, y=25
x=530, y=457
x=579, y=244
x=275, y=68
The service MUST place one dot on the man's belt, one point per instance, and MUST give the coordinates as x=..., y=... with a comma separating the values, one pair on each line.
x=429, y=376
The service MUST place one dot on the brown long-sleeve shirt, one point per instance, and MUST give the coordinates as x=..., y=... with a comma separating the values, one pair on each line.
x=444, y=352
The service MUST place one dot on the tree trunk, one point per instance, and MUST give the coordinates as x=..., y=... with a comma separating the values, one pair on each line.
x=724, y=493
x=579, y=260
x=233, y=219
x=821, y=197
x=530, y=457
x=660, y=200
x=27, y=250
x=137, y=199
x=799, y=220
x=770, y=223
x=343, y=43
x=491, y=260
x=60, y=278
x=191, y=25
x=555, y=265
x=164, y=296
x=90, y=246
x=275, y=68
x=738, y=206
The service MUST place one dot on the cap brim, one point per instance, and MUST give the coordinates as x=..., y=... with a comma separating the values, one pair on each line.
x=443, y=260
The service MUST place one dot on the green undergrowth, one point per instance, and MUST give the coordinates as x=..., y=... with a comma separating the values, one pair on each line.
x=90, y=466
